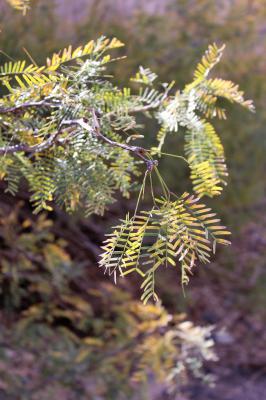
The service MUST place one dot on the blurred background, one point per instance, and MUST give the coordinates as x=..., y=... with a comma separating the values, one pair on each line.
x=66, y=331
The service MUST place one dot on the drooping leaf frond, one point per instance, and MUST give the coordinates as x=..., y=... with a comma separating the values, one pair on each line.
x=144, y=76
x=161, y=136
x=209, y=92
x=151, y=97
x=181, y=231
x=211, y=57
x=203, y=146
x=40, y=176
x=24, y=75
x=91, y=48
x=205, y=155
x=27, y=76
x=115, y=247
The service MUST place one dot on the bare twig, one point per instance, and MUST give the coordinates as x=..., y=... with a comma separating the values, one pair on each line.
x=137, y=150
x=24, y=106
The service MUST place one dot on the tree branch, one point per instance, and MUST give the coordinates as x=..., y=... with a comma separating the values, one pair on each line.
x=37, y=148
x=83, y=123
x=137, y=150
x=24, y=106
x=147, y=107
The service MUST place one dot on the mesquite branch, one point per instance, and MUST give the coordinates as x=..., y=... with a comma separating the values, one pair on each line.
x=53, y=139
x=24, y=106
x=37, y=148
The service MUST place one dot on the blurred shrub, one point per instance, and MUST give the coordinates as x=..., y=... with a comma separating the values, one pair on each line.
x=82, y=340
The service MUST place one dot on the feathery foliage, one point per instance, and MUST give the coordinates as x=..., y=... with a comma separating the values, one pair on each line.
x=182, y=229
x=205, y=156
x=203, y=146
x=70, y=132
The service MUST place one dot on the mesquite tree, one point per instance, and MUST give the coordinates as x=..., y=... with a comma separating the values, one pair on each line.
x=70, y=132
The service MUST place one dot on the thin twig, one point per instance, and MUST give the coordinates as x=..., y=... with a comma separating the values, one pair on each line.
x=137, y=150
x=37, y=148
x=83, y=123
x=24, y=106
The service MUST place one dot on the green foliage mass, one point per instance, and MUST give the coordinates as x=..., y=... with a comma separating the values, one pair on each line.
x=169, y=43
x=69, y=131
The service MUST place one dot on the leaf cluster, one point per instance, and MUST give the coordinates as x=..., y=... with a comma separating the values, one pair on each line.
x=182, y=229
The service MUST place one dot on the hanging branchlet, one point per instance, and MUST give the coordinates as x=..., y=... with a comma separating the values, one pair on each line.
x=174, y=232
